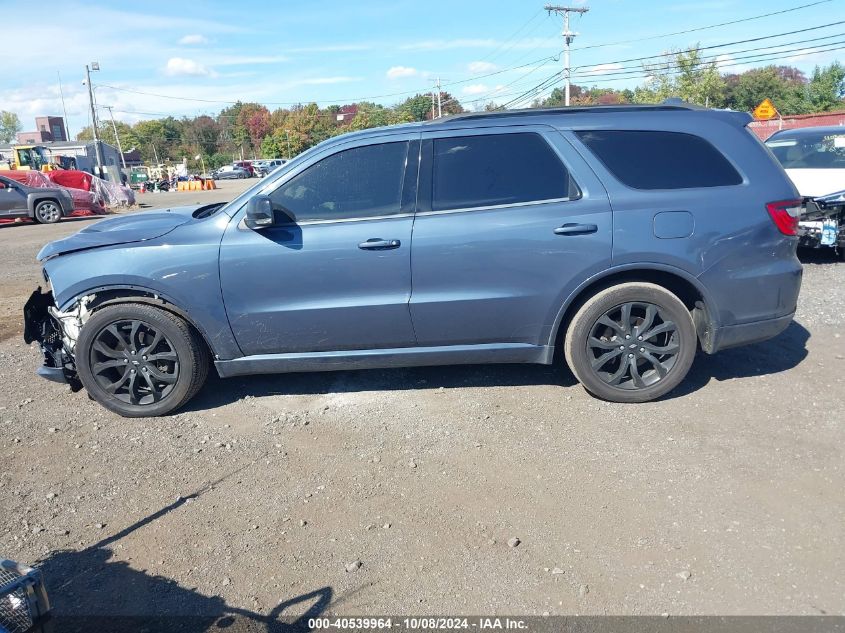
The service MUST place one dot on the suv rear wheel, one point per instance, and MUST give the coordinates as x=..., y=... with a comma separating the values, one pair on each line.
x=140, y=361
x=631, y=343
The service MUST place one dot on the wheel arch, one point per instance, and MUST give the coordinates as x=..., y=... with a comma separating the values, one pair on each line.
x=35, y=199
x=684, y=285
x=115, y=295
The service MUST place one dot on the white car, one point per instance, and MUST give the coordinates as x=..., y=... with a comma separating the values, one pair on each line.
x=813, y=157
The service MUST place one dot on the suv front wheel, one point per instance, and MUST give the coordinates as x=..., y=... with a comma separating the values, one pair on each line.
x=138, y=360
x=633, y=342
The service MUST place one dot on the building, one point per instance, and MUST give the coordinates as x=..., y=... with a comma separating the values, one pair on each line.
x=132, y=158
x=48, y=128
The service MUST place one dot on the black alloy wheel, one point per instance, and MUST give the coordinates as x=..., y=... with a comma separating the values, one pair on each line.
x=134, y=362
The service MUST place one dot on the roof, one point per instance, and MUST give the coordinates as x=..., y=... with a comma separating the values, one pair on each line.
x=54, y=144
x=538, y=112
x=580, y=116
x=809, y=131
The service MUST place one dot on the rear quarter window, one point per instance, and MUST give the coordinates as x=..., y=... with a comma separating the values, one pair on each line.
x=644, y=159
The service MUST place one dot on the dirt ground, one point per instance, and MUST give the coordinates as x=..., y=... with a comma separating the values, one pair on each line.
x=398, y=491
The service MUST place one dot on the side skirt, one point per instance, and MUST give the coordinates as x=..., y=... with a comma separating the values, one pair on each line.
x=386, y=358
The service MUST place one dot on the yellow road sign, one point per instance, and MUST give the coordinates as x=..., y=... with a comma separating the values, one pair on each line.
x=765, y=111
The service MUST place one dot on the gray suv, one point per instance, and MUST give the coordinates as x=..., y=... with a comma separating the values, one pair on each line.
x=45, y=205
x=625, y=238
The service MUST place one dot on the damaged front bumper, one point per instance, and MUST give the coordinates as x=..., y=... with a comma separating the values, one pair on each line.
x=56, y=333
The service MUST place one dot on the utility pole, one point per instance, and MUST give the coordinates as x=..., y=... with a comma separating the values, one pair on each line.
x=116, y=137
x=439, y=108
x=432, y=105
x=568, y=36
x=98, y=150
x=64, y=109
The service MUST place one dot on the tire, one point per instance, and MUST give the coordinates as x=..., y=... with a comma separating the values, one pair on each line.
x=104, y=358
x=634, y=369
x=47, y=212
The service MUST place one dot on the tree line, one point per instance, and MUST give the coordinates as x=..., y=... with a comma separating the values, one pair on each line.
x=252, y=130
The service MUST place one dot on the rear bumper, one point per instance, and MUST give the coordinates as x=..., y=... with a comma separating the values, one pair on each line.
x=748, y=333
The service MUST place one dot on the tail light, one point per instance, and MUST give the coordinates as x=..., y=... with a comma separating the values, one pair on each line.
x=785, y=214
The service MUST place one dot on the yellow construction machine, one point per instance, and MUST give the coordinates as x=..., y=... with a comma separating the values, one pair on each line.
x=28, y=157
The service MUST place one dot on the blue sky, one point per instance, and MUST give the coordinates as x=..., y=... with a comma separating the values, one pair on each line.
x=337, y=52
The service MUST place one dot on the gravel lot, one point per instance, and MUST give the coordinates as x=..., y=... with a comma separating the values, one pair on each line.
x=400, y=491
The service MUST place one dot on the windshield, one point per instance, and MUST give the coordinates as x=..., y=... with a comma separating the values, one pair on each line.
x=822, y=150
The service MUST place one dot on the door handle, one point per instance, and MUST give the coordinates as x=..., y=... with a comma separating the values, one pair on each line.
x=576, y=229
x=378, y=244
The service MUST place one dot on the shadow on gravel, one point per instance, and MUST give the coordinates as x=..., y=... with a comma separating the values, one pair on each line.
x=218, y=392
x=769, y=357
x=90, y=592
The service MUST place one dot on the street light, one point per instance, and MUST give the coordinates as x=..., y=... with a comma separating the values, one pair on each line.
x=97, y=149
x=202, y=162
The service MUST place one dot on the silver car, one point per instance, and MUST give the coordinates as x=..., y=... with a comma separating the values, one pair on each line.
x=45, y=205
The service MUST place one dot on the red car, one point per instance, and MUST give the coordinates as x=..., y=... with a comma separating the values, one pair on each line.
x=246, y=165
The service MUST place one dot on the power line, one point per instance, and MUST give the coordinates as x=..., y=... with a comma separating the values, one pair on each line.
x=738, y=61
x=746, y=50
x=499, y=49
x=703, y=28
x=712, y=46
x=332, y=102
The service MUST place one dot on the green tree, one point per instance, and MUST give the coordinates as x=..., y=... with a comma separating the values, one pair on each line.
x=683, y=74
x=418, y=106
x=202, y=131
x=826, y=88
x=782, y=84
x=10, y=125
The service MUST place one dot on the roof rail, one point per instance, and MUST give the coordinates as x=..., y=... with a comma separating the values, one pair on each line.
x=468, y=116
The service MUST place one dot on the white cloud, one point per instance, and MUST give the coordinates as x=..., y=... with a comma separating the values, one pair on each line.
x=475, y=89
x=482, y=67
x=179, y=66
x=397, y=72
x=193, y=39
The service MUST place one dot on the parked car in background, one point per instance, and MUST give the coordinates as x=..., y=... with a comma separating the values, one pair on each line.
x=624, y=238
x=268, y=166
x=229, y=171
x=814, y=159
x=45, y=205
x=246, y=165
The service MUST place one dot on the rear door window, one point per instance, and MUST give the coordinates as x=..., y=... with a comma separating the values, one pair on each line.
x=646, y=159
x=496, y=169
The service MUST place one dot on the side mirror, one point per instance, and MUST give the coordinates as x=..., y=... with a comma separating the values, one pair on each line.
x=259, y=213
